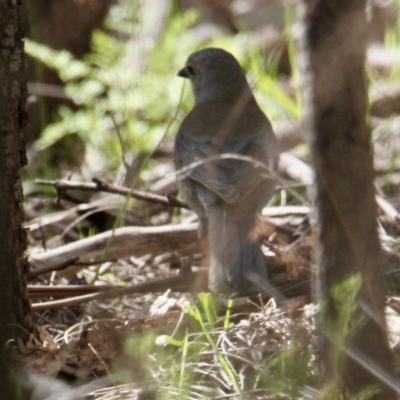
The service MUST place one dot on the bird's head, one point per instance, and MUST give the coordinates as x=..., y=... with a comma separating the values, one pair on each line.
x=215, y=76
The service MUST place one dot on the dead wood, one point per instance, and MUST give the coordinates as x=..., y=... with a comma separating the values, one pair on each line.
x=101, y=186
x=180, y=283
x=383, y=59
x=120, y=243
x=302, y=173
x=284, y=211
x=60, y=267
x=296, y=169
x=385, y=100
x=39, y=291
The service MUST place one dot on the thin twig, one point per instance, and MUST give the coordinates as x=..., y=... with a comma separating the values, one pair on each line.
x=34, y=274
x=177, y=283
x=101, y=186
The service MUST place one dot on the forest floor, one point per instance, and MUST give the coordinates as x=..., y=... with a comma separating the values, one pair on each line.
x=120, y=300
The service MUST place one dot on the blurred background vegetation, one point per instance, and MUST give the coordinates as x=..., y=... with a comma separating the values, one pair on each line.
x=102, y=74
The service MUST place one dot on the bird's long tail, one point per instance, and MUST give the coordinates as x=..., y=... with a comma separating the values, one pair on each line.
x=236, y=261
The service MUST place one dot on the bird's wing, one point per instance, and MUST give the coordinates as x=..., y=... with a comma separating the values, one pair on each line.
x=230, y=178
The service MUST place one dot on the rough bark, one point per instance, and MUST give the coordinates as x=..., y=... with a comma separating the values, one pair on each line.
x=335, y=36
x=14, y=306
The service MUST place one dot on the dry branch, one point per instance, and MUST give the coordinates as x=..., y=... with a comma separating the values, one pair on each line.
x=39, y=291
x=295, y=169
x=120, y=243
x=301, y=172
x=101, y=186
x=179, y=283
x=60, y=267
x=385, y=100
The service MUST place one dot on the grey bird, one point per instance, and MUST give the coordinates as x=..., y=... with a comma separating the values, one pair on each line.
x=225, y=153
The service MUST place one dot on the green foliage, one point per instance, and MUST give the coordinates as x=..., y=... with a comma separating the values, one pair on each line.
x=121, y=103
x=334, y=393
x=194, y=363
x=392, y=34
x=205, y=340
x=138, y=348
x=345, y=296
x=206, y=326
x=392, y=42
x=339, y=331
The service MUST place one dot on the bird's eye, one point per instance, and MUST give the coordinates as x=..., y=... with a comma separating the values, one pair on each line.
x=190, y=70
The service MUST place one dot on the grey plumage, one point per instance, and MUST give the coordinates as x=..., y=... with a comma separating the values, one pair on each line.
x=225, y=125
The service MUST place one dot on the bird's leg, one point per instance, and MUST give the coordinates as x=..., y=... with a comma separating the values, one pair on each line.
x=202, y=229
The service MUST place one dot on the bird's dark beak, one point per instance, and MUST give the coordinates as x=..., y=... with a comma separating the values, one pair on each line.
x=184, y=73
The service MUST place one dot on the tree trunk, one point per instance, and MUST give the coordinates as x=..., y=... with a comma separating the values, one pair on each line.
x=335, y=33
x=14, y=305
